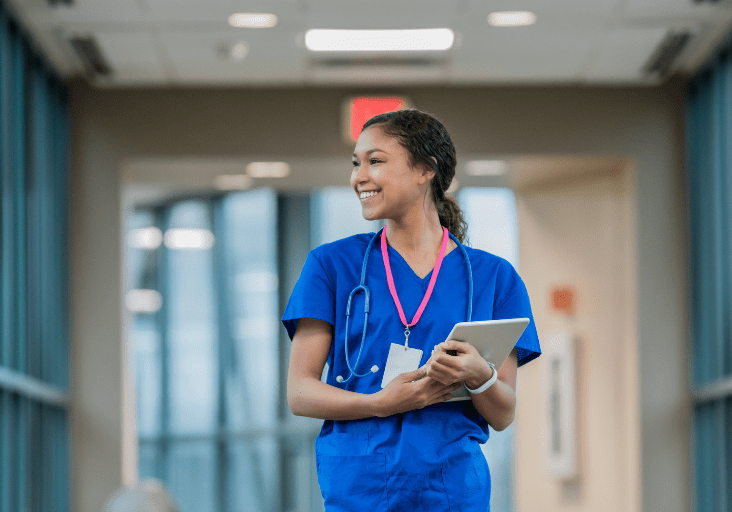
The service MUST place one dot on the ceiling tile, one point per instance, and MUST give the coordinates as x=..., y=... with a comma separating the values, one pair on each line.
x=622, y=53
x=133, y=57
x=202, y=56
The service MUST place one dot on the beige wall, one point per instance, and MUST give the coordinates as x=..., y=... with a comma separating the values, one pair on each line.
x=113, y=127
x=579, y=232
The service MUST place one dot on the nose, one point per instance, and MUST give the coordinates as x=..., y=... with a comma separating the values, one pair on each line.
x=360, y=173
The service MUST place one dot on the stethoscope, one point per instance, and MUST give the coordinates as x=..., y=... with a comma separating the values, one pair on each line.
x=367, y=295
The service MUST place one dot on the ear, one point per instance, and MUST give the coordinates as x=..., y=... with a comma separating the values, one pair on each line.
x=427, y=172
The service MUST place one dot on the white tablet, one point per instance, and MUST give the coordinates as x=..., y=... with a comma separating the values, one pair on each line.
x=494, y=340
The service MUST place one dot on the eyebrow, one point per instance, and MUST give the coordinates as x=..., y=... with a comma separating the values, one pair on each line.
x=371, y=151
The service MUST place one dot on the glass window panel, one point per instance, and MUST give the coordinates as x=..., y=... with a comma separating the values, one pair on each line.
x=336, y=214
x=492, y=220
x=493, y=227
x=148, y=460
x=192, y=326
x=145, y=340
x=141, y=272
x=253, y=475
x=191, y=475
x=300, y=475
x=251, y=371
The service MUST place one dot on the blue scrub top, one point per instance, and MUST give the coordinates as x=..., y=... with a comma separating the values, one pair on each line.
x=426, y=459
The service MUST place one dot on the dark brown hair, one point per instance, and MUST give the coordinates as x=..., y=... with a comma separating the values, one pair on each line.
x=426, y=138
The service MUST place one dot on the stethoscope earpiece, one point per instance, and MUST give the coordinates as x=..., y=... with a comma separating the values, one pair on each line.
x=374, y=369
x=339, y=379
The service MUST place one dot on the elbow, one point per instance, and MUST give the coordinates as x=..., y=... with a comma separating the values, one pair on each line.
x=294, y=403
x=295, y=399
x=504, y=421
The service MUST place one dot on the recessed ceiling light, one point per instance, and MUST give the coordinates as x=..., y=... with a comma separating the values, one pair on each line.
x=177, y=238
x=232, y=182
x=486, y=167
x=327, y=40
x=268, y=169
x=511, y=18
x=252, y=20
x=239, y=51
x=143, y=301
x=145, y=238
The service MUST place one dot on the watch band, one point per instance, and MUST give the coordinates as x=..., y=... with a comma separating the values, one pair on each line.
x=487, y=384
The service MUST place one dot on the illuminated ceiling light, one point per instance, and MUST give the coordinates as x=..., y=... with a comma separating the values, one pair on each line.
x=486, y=167
x=239, y=51
x=268, y=169
x=145, y=238
x=252, y=20
x=327, y=40
x=188, y=239
x=143, y=301
x=232, y=182
x=511, y=18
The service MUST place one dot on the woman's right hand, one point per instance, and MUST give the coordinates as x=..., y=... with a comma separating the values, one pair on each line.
x=412, y=390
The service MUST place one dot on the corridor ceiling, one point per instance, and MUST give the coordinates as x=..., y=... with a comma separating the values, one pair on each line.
x=190, y=43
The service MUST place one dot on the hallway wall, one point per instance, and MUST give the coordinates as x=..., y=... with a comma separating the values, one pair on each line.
x=111, y=127
x=580, y=232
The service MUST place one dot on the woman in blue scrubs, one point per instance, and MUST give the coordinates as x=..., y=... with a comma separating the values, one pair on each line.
x=403, y=447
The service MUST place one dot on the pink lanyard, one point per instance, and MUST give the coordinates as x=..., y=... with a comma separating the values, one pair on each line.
x=392, y=289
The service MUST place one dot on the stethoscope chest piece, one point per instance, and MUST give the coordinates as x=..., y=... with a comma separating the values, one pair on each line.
x=367, y=297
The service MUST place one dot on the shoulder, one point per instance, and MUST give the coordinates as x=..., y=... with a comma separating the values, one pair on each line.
x=343, y=249
x=488, y=267
x=486, y=262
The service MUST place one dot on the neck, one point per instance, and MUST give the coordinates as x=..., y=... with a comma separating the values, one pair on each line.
x=416, y=235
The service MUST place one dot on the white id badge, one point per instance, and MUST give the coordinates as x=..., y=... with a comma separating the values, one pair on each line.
x=400, y=360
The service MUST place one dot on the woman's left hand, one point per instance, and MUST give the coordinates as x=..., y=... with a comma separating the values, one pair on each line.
x=467, y=365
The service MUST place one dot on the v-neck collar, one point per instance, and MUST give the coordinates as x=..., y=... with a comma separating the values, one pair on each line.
x=424, y=281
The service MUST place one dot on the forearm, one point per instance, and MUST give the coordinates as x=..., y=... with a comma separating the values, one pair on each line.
x=315, y=399
x=497, y=404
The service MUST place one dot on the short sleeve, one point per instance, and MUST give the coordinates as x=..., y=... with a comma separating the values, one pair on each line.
x=312, y=297
x=516, y=305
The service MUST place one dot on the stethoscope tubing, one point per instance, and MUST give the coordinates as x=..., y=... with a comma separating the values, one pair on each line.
x=367, y=295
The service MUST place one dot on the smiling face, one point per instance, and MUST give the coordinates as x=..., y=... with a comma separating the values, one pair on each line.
x=386, y=183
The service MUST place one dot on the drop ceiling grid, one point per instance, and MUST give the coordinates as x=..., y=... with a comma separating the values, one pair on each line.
x=133, y=57
x=217, y=10
x=201, y=57
x=623, y=53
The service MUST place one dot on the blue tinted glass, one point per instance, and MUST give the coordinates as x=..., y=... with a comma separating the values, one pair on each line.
x=337, y=214
x=191, y=319
x=147, y=460
x=493, y=227
x=492, y=220
x=253, y=475
x=145, y=341
x=192, y=476
x=250, y=368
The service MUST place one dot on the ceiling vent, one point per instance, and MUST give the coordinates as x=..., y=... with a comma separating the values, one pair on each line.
x=381, y=62
x=667, y=52
x=707, y=1
x=87, y=50
x=54, y=3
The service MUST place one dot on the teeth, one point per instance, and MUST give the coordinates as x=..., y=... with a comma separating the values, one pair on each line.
x=364, y=195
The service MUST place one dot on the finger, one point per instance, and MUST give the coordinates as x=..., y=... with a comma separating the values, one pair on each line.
x=460, y=346
x=438, y=378
x=449, y=361
x=415, y=375
x=445, y=372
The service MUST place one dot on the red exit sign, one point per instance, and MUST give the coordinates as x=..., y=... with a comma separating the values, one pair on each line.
x=360, y=109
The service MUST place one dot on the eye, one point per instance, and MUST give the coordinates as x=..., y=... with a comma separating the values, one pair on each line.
x=374, y=161
x=355, y=164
